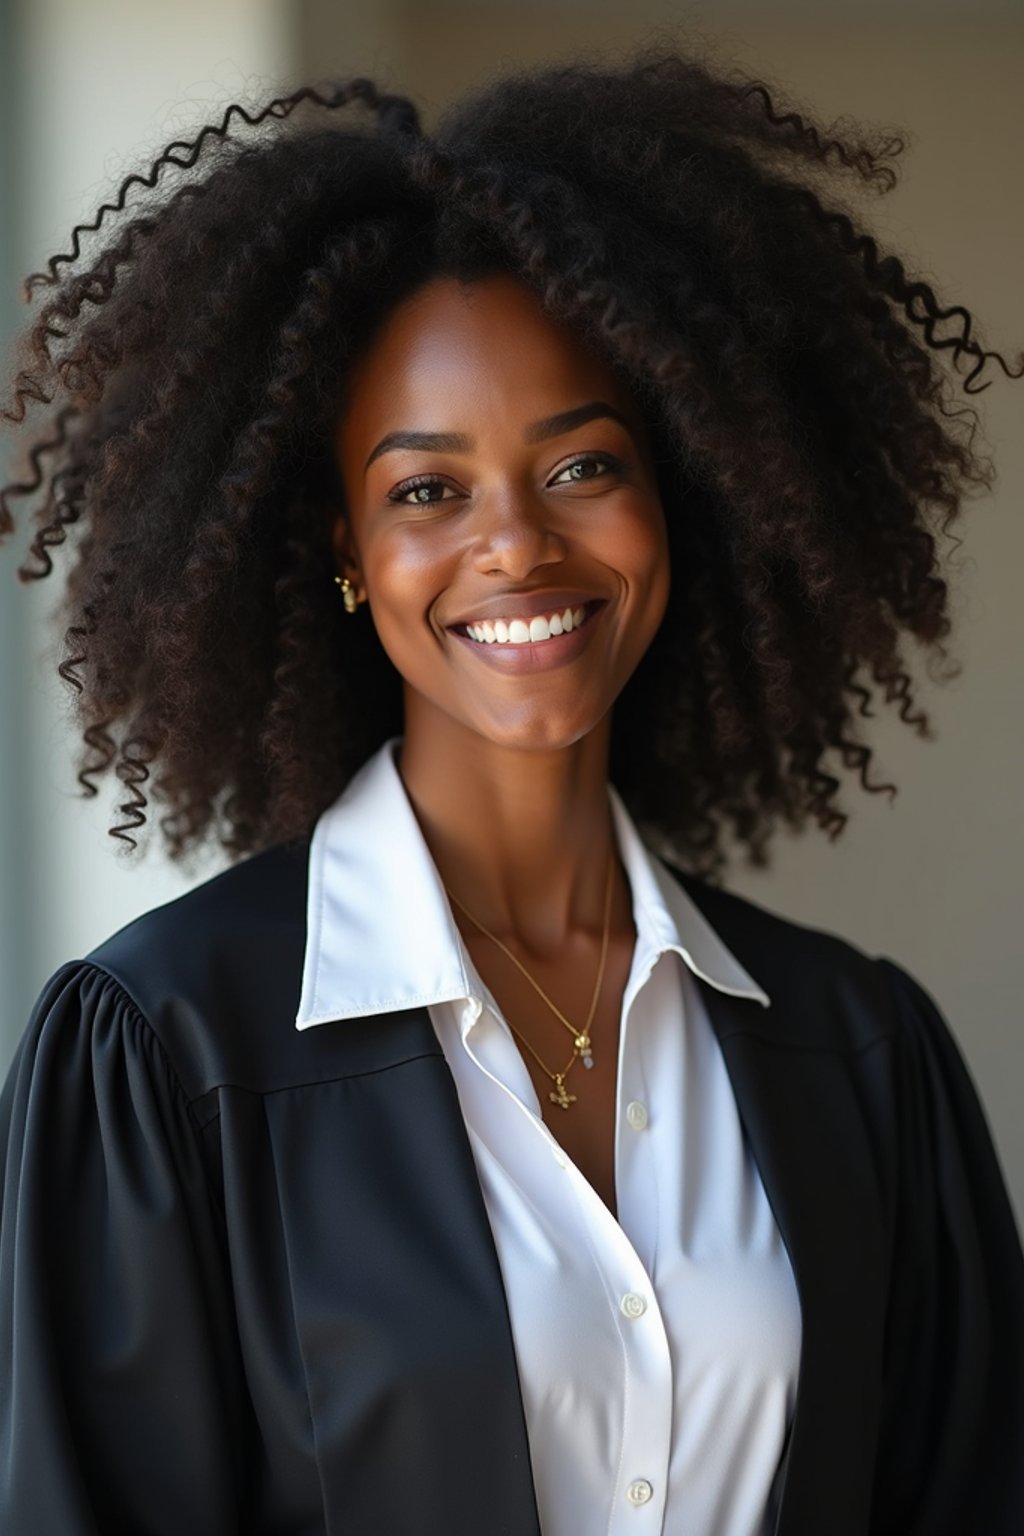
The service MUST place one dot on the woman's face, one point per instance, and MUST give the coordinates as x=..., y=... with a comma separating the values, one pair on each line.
x=468, y=502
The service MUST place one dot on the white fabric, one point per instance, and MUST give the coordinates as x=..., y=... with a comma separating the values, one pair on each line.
x=657, y=1352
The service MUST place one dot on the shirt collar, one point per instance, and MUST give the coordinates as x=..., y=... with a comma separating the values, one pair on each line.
x=380, y=935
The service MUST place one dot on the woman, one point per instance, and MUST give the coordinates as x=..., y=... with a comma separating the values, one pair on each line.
x=456, y=1160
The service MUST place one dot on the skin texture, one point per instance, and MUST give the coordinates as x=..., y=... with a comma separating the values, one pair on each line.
x=507, y=773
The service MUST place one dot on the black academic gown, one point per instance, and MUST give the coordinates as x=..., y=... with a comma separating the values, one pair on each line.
x=248, y=1285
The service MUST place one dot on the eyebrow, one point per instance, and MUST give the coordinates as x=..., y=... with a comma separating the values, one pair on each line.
x=537, y=432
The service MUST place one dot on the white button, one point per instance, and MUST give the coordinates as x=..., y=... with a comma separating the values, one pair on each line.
x=633, y=1305
x=636, y=1114
x=640, y=1491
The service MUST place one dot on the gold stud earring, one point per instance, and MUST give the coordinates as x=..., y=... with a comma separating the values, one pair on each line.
x=348, y=593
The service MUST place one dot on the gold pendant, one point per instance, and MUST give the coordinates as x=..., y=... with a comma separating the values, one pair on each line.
x=558, y=1094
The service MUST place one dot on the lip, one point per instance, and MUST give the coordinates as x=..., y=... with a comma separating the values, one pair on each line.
x=526, y=605
x=540, y=655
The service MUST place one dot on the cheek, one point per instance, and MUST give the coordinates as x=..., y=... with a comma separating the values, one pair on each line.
x=641, y=551
x=405, y=575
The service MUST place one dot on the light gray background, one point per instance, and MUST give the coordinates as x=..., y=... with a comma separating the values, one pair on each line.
x=931, y=879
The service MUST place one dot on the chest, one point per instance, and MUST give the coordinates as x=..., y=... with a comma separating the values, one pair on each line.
x=577, y=1103
x=377, y=1338
x=656, y=1320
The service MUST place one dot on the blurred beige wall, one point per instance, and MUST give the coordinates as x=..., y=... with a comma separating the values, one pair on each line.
x=931, y=880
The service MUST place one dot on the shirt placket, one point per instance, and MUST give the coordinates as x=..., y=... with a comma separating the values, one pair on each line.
x=641, y=1483
x=638, y=1483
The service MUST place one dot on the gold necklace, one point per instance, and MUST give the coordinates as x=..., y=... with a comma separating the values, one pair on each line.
x=581, y=1039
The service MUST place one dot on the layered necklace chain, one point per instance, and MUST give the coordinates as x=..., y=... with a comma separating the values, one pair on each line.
x=581, y=1038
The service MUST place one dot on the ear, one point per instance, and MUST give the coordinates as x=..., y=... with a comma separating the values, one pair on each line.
x=343, y=544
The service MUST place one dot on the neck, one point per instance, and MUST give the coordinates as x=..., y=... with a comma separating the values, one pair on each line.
x=520, y=837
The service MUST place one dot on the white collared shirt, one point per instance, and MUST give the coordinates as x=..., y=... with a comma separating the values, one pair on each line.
x=657, y=1351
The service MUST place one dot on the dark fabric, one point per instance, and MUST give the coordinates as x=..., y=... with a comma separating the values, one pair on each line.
x=248, y=1284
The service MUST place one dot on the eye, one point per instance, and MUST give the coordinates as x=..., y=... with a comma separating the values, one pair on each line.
x=427, y=482
x=581, y=462
x=417, y=483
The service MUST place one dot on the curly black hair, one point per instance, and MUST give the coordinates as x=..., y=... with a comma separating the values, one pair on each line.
x=809, y=447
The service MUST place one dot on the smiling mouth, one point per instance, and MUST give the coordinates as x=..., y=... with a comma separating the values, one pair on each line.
x=507, y=635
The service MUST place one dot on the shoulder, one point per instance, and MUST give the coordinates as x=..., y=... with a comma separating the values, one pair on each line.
x=742, y=921
x=261, y=897
x=216, y=972
x=826, y=991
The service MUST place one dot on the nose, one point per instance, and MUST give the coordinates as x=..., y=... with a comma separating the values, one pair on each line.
x=515, y=533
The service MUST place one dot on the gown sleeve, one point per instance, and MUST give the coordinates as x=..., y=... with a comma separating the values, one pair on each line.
x=951, y=1455
x=116, y=1412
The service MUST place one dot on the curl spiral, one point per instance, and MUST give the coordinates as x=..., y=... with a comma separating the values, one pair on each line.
x=191, y=348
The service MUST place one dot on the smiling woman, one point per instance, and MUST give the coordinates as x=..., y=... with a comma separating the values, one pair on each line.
x=464, y=1158
x=513, y=534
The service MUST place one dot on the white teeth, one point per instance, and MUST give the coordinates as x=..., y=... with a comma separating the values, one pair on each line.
x=525, y=632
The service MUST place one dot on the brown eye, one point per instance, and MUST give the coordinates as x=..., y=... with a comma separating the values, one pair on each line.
x=418, y=483
x=600, y=459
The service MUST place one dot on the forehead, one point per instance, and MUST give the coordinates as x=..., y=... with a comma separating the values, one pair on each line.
x=455, y=343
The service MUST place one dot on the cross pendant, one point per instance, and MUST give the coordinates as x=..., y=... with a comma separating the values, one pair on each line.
x=558, y=1094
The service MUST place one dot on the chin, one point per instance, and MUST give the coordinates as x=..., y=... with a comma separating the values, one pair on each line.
x=534, y=735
